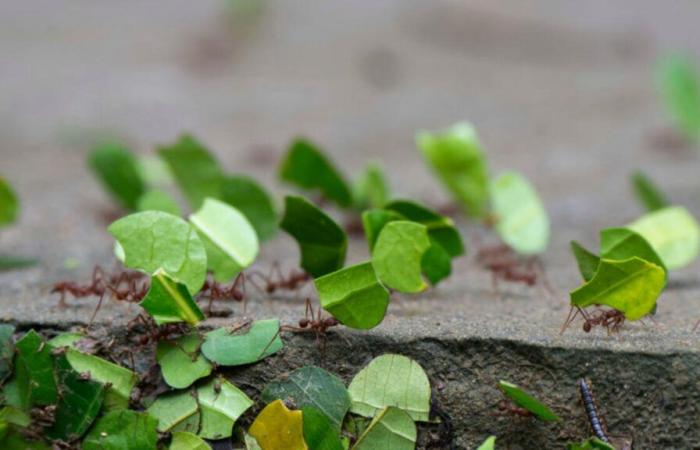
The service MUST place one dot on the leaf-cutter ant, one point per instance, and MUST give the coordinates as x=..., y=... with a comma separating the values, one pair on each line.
x=504, y=264
x=610, y=319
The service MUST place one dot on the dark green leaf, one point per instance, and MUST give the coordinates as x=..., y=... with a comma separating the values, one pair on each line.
x=319, y=432
x=436, y=263
x=587, y=261
x=623, y=243
x=35, y=368
x=246, y=195
x=398, y=255
x=307, y=167
x=234, y=347
x=117, y=169
x=7, y=351
x=527, y=401
x=181, y=361
x=322, y=242
x=8, y=262
x=354, y=296
x=196, y=171
x=9, y=205
x=372, y=189
x=373, y=222
x=312, y=386
x=17, y=441
x=677, y=80
x=648, y=194
x=169, y=301
x=158, y=201
x=122, y=430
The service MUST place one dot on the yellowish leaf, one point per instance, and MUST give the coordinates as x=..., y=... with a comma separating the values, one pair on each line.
x=278, y=428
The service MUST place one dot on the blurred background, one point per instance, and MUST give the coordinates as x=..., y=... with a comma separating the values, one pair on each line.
x=562, y=91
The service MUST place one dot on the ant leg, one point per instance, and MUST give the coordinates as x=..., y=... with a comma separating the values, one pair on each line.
x=546, y=284
x=240, y=281
x=97, y=308
x=261, y=276
x=309, y=311
x=573, y=312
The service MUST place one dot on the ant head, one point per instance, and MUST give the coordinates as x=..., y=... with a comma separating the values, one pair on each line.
x=587, y=326
x=303, y=323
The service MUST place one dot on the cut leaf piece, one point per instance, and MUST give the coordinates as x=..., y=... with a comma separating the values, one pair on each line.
x=391, y=380
x=243, y=345
x=678, y=84
x=221, y=404
x=456, y=157
x=398, y=254
x=175, y=412
x=354, y=296
x=590, y=444
x=229, y=239
x=35, y=370
x=276, y=427
x=630, y=286
x=371, y=190
x=152, y=240
x=489, y=444
x=169, y=301
x=307, y=167
x=196, y=171
x=319, y=432
x=246, y=195
x=181, y=361
x=648, y=194
x=184, y=440
x=122, y=430
x=9, y=262
x=117, y=168
x=527, y=401
x=9, y=205
x=392, y=428
x=158, y=201
x=373, y=222
x=586, y=260
x=436, y=263
x=673, y=232
x=322, y=242
x=521, y=219
x=7, y=351
x=623, y=243
x=314, y=387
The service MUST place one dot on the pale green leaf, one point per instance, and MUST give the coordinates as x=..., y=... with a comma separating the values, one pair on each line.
x=243, y=345
x=229, y=239
x=153, y=240
x=590, y=444
x=158, y=201
x=323, y=244
x=648, y=194
x=169, y=301
x=122, y=430
x=456, y=157
x=679, y=86
x=319, y=432
x=673, y=232
x=181, y=361
x=184, y=440
x=527, y=401
x=354, y=296
x=221, y=403
x=392, y=428
x=246, y=195
x=196, y=171
x=175, y=412
x=117, y=169
x=521, y=219
x=306, y=166
x=9, y=204
x=398, y=254
x=630, y=286
x=489, y=444
x=155, y=171
x=371, y=190
x=373, y=222
x=314, y=387
x=587, y=261
x=391, y=380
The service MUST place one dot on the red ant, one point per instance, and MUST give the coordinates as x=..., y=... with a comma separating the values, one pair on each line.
x=505, y=265
x=213, y=290
x=610, y=319
x=507, y=407
x=96, y=287
x=154, y=333
x=309, y=323
x=295, y=280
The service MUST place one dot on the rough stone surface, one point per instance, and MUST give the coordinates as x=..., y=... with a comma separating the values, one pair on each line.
x=561, y=91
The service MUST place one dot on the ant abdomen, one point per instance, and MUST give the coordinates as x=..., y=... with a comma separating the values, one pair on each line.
x=303, y=323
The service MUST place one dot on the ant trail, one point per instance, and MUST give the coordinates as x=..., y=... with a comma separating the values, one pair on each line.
x=594, y=418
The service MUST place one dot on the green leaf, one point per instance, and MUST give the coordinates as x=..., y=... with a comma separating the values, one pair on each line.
x=117, y=168
x=392, y=428
x=590, y=444
x=677, y=82
x=66, y=339
x=8, y=262
x=648, y=193
x=175, y=412
x=371, y=190
x=152, y=240
x=586, y=260
x=9, y=205
x=122, y=430
x=323, y=244
x=354, y=296
x=234, y=347
x=155, y=171
x=373, y=222
x=221, y=404
x=623, y=243
x=319, y=432
x=630, y=286
x=79, y=403
x=169, y=301
x=246, y=195
x=196, y=171
x=391, y=380
x=398, y=253
x=489, y=444
x=436, y=263
x=181, y=361
x=119, y=380
x=158, y=201
x=527, y=401
x=456, y=157
x=673, y=232
x=15, y=440
x=229, y=239
x=312, y=386
x=307, y=167
x=184, y=440
x=7, y=351
x=521, y=219
x=35, y=369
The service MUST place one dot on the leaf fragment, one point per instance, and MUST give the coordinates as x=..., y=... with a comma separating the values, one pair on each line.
x=7, y=351
x=184, y=440
x=679, y=86
x=154, y=200
x=587, y=261
x=648, y=193
x=392, y=428
x=319, y=432
x=117, y=168
x=178, y=411
x=371, y=190
x=590, y=444
x=398, y=254
x=276, y=427
x=527, y=401
x=169, y=301
x=623, y=243
x=181, y=361
x=221, y=403
x=234, y=347
x=489, y=444
x=9, y=204
x=122, y=430
x=35, y=370
x=246, y=195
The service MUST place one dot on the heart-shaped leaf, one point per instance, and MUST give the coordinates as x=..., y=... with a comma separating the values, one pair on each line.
x=181, y=361
x=276, y=427
x=392, y=428
x=398, y=254
x=243, y=345
x=527, y=401
x=169, y=301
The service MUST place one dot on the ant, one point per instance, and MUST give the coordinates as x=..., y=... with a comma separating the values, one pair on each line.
x=318, y=325
x=505, y=265
x=507, y=407
x=295, y=280
x=213, y=290
x=154, y=333
x=610, y=319
x=96, y=287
